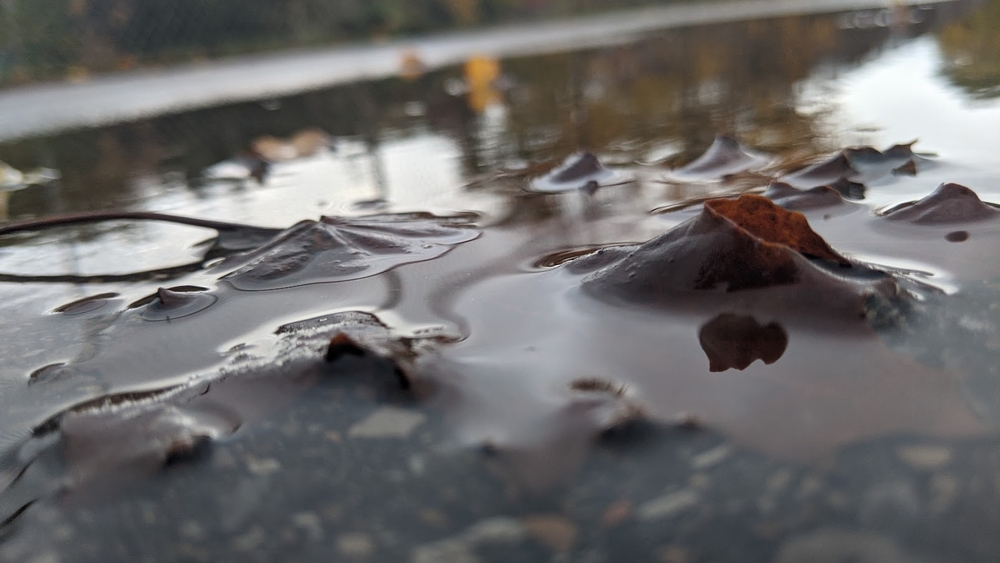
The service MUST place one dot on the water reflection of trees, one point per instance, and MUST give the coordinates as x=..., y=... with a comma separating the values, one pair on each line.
x=971, y=48
x=46, y=38
x=680, y=87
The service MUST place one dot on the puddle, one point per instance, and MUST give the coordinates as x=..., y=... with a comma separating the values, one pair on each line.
x=663, y=248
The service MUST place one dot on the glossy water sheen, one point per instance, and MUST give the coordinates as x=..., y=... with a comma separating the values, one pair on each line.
x=527, y=310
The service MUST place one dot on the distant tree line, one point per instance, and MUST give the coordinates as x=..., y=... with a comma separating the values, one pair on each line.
x=971, y=49
x=56, y=38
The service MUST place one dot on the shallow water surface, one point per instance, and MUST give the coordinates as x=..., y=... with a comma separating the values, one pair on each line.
x=526, y=325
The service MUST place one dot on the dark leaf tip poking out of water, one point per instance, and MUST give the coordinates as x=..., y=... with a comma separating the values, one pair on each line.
x=908, y=168
x=949, y=203
x=848, y=189
x=725, y=157
x=847, y=169
x=343, y=345
x=87, y=304
x=358, y=334
x=580, y=171
x=836, y=168
x=791, y=197
x=339, y=249
x=735, y=245
x=175, y=303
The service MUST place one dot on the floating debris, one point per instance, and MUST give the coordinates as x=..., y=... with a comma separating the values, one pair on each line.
x=301, y=144
x=257, y=162
x=247, y=166
x=12, y=179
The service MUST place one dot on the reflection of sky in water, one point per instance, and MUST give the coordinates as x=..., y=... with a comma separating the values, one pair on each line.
x=421, y=172
x=902, y=95
x=896, y=95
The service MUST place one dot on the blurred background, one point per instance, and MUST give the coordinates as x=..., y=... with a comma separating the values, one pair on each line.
x=788, y=80
x=75, y=38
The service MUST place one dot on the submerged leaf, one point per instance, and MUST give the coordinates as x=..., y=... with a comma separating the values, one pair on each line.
x=949, y=203
x=725, y=157
x=339, y=249
x=741, y=244
x=579, y=171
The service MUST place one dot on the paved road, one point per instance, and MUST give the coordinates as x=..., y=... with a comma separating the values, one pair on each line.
x=48, y=108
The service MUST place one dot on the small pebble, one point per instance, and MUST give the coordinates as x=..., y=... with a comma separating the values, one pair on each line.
x=945, y=490
x=445, y=551
x=263, y=467
x=710, y=458
x=668, y=505
x=924, y=457
x=433, y=518
x=496, y=530
x=837, y=546
x=674, y=554
x=810, y=486
x=355, y=545
x=777, y=483
x=617, y=513
x=387, y=422
x=191, y=530
x=555, y=532
x=250, y=540
x=699, y=481
x=311, y=523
